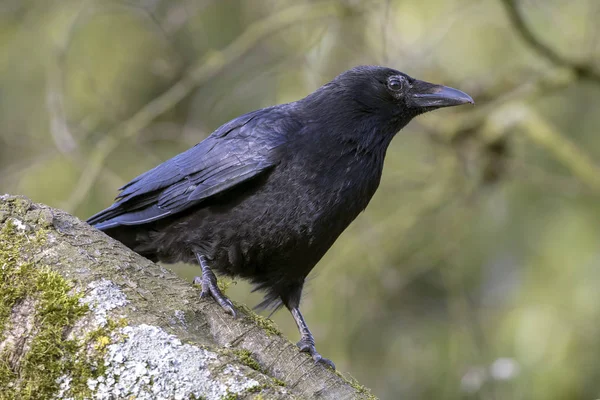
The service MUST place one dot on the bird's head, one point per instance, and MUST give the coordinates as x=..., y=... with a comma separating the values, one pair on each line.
x=388, y=97
x=394, y=94
x=370, y=104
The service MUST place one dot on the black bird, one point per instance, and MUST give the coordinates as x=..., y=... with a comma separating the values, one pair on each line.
x=265, y=195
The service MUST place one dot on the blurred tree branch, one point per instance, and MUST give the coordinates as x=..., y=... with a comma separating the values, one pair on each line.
x=545, y=135
x=507, y=111
x=515, y=15
x=205, y=69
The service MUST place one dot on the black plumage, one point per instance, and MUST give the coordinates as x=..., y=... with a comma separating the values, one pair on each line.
x=267, y=194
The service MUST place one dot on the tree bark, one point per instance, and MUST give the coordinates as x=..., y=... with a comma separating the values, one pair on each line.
x=84, y=317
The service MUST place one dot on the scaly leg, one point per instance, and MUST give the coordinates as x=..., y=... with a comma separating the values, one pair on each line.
x=208, y=280
x=307, y=341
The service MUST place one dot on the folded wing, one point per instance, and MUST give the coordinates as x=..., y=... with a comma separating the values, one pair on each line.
x=236, y=152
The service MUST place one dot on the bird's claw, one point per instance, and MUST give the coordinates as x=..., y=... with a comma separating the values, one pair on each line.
x=306, y=346
x=210, y=288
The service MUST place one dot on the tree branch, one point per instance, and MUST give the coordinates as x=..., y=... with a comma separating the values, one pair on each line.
x=583, y=70
x=82, y=316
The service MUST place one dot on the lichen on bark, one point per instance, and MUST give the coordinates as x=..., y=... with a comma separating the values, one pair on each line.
x=81, y=316
x=37, y=309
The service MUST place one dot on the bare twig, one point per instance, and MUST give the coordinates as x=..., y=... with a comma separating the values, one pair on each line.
x=59, y=129
x=583, y=70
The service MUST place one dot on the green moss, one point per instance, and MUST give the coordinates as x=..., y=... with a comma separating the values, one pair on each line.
x=230, y=396
x=278, y=382
x=85, y=369
x=265, y=323
x=224, y=283
x=14, y=280
x=19, y=205
x=359, y=388
x=51, y=354
x=55, y=311
x=257, y=389
x=245, y=357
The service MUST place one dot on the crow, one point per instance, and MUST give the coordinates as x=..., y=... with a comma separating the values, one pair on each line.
x=267, y=194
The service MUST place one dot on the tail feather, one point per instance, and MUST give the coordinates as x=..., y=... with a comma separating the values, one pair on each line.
x=135, y=238
x=271, y=301
x=114, y=216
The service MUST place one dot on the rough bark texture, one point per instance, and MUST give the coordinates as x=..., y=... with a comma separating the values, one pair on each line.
x=82, y=316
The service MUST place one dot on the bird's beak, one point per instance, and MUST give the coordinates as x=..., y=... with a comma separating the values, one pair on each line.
x=428, y=95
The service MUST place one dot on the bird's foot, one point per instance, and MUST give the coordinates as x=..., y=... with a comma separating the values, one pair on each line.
x=307, y=345
x=210, y=288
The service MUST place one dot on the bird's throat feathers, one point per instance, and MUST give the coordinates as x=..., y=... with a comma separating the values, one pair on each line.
x=350, y=122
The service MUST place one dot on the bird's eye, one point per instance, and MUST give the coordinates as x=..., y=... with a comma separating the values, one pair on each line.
x=395, y=84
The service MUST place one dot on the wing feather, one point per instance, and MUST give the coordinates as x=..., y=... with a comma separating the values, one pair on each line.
x=237, y=152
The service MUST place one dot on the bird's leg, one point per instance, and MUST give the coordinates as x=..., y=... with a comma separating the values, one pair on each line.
x=208, y=280
x=307, y=341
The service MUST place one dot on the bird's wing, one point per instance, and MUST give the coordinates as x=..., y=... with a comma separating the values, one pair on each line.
x=236, y=152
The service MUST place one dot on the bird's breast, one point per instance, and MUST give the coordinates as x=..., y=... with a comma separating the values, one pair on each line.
x=328, y=195
x=290, y=221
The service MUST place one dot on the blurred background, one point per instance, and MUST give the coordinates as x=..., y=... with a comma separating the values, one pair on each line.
x=475, y=271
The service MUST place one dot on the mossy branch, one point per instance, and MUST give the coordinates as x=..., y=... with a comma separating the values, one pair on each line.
x=82, y=316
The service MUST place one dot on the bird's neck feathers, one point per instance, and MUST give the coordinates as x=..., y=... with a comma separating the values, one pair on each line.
x=349, y=122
